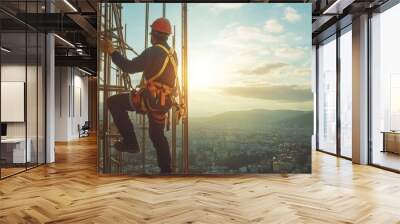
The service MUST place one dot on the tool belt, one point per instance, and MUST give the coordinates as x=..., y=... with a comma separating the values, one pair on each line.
x=154, y=101
x=158, y=96
x=155, y=98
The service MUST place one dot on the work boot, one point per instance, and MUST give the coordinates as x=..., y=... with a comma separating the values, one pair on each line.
x=127, y=147
x=165, y=172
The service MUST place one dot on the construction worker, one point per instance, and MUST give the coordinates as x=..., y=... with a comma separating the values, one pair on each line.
x=159, y=66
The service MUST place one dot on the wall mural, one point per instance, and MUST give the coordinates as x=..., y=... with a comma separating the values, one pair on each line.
x=205, y=88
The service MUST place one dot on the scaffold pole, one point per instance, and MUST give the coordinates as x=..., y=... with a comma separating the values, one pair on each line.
x=185, y=129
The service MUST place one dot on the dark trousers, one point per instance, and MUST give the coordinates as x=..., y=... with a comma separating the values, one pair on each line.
x=119, y=105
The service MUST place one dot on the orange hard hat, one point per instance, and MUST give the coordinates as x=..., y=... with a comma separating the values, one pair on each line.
x=161, y=25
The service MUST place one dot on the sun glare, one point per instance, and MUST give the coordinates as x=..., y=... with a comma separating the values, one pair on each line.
x=202, y=74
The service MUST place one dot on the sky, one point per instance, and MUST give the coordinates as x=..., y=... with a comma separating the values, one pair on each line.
x=241, y=56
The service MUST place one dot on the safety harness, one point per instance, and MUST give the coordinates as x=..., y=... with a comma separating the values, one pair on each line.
x=156, y=98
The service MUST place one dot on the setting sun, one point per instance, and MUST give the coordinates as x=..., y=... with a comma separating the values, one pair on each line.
x=202, y=73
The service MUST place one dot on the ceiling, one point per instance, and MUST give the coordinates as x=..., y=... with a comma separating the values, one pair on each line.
x=331, y=15
x=74, y=21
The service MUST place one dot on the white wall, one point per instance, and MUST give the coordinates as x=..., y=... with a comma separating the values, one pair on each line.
x=34, y=125
x=82, y=95
x=61, y=103
x=12, y=73
x=71, y=94
x=16, y=73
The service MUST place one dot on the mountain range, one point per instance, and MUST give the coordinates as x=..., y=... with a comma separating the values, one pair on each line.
x=256, y=119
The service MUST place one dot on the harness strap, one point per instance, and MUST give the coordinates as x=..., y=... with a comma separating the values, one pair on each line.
x=169, y=58
x=160, y=89
x=156, y=88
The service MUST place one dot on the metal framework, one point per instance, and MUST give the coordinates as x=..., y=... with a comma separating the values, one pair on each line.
x=112, y=80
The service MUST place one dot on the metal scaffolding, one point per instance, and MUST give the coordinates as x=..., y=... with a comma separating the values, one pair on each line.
x=185, y=132
x=112, y=80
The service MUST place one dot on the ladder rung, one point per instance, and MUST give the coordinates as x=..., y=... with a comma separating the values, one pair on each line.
x=113, y=135
x=115, y=161
x=113, y=88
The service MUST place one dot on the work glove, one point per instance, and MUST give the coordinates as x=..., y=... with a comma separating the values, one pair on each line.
x=106, y=46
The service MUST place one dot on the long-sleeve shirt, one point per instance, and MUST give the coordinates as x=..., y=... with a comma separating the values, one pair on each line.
x=149, y=62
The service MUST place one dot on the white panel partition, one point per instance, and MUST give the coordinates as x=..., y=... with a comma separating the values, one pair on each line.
x=12, y=101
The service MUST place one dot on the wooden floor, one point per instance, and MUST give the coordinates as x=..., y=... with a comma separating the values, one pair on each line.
x=70, y=191
x=5, y=172
x=387, y=159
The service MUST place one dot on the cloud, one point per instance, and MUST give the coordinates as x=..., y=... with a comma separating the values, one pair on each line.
x=291, y=15
x=273, y=26
x=241, y=49
x=286, y=93
x=249, y=39
x=265, y=69
x=290, y=53
x=223, y=6
x=240, y=40
x=302, y=71
x=239, y=33
x=242, y=45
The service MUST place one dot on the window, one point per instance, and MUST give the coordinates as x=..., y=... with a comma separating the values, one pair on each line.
x=327, y=96
x=394, y=102
x=346, y=93
x=385, y=89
